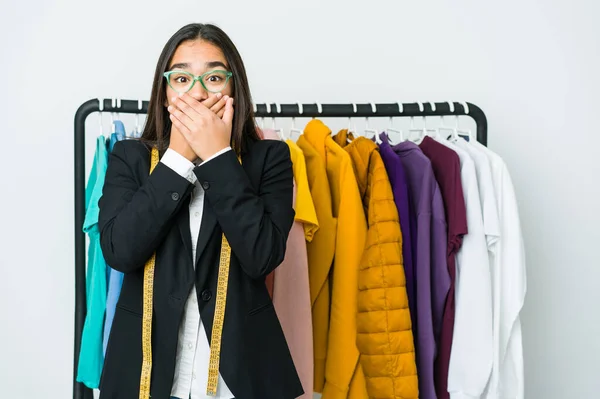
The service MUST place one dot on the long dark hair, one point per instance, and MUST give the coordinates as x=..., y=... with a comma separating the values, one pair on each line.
x=157, y=130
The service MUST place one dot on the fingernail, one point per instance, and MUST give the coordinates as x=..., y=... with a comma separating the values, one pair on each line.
x=219, y=95
x=170, y=108
x=173, y=99
x=226, y=98
x=181, y=94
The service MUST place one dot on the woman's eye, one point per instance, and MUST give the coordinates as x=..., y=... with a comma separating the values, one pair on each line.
x=214, y=78
x=181, y=79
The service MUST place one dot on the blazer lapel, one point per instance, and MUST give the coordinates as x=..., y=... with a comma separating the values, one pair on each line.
x=183, y=223
x=209, y=221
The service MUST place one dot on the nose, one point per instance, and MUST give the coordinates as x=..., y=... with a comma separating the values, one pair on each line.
x=198, y=92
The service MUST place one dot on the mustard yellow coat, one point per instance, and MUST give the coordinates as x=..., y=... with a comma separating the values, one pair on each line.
x=385, y=339
x=342, y=373
x=320, y=251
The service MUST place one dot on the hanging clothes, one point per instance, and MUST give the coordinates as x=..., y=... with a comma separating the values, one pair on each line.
x=384, y=324
x=397, y=177
x=344, y=377
x=291, y=291
x=487, y=197
x=446, y=168
x=320, y=251
x=491, y=226
x=91, y=357
x=432, y=277
x=114, y=277
x=510, y=286
x=471, y=354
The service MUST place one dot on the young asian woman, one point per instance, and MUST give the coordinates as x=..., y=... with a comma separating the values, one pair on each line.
x=215, y=176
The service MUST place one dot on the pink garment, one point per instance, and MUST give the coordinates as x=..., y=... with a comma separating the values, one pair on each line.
x=291, y=298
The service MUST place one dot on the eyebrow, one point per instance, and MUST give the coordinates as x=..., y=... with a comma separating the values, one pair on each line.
x=187, y=65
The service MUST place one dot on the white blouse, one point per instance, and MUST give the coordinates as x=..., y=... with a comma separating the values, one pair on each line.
x=193, y=348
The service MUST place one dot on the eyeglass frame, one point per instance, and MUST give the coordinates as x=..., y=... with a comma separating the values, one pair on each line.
x=195, y=79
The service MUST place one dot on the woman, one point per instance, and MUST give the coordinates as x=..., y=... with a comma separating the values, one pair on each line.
x=214, y=176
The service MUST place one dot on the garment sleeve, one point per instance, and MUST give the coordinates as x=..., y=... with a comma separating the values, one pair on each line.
x=472, y=346
x=440, y=278
x=134, y=219
x=223, y=151
x=256, y=221
x=513, y=289
x=180, y=164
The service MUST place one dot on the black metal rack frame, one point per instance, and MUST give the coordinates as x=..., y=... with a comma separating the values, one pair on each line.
x=270, y=110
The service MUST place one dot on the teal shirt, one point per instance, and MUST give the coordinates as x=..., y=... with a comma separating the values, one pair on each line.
x=91, y=358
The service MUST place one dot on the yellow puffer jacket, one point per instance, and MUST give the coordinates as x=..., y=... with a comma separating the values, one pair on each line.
x=385, y=339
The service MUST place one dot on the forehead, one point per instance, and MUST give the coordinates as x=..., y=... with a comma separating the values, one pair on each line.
x=197, y=53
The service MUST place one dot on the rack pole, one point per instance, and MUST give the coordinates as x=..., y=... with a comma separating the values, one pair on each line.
x=80, y=391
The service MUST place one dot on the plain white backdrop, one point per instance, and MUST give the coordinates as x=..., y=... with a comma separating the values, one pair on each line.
x=531, y=65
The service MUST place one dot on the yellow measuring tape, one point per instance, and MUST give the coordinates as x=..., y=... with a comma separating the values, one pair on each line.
x=219, y=316
x=217, y=330
x=147, y=312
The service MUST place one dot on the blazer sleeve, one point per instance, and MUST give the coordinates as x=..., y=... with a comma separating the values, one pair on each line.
x=256, y=224
x=134, y=219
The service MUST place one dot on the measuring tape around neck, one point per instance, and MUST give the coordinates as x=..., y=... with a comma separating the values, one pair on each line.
x=147, y=312
x=219, y=316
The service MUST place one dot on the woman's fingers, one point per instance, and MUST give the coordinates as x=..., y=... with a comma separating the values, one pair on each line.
x=219, y=105
x=193, y=109
x=212, y=100
x=228, y=114
x=180, y=126
x=180, y=115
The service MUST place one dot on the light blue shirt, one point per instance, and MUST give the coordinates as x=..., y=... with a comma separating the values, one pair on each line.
x=91, y=357
x=114, y=277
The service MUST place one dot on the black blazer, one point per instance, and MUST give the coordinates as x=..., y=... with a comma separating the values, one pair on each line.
x=139, y=214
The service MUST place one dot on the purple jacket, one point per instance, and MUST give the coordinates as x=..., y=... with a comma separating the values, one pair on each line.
x=431, y=269
x=397, y=176
x=446, y=168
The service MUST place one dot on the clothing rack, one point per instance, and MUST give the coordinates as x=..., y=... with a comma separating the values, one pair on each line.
x=271, y=110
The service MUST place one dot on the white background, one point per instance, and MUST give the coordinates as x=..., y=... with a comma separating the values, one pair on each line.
x=531, y=65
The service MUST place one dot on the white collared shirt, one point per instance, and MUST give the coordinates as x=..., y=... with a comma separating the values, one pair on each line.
x=510, y=281
x=193, y=348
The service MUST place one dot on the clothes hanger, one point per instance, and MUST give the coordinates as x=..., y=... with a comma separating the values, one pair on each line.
x=350, y=128
x=262, y=118
x=138, y=132
x=422, y=132
x=254, y=111
x=392, y=129
x=112, y=115
x=373, y=131
x=279, y=131
x=434, y=131
x=455, y=131
x=452, y=133
x=294, y=129
x=412, y=129
x=319, y=109
x=116, y=103
x=100, y=109
x=465, y=134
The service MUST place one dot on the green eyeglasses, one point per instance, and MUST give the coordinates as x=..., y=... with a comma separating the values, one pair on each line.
x=212, y=81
